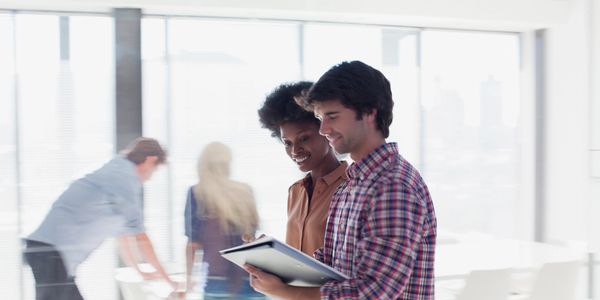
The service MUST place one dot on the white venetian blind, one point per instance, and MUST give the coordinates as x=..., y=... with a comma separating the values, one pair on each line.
x=65, y=123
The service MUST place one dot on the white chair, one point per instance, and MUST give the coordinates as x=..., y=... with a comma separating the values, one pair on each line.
x=479, y=285
x=554, y=281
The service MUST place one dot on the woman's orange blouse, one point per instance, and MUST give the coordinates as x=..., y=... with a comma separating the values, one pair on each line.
x=307, y=219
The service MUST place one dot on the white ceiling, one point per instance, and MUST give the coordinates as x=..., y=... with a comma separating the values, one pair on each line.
x=508, y=15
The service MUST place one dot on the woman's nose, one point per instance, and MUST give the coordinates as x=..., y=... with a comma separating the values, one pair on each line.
x=295, y=149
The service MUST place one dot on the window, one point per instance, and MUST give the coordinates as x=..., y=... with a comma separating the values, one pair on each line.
x=456, y=109
x=456, y=118
x=470, y=100
x=63, y=124
x=393, y=51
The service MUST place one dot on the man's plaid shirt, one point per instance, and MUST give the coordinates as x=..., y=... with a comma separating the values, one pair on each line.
x=381, y=231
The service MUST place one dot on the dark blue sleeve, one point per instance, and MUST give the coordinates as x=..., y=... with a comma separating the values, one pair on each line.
x=192, y=223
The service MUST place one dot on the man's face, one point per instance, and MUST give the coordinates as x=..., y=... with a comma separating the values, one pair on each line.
x=147, y=168
x=304, y=145
x=340, y=126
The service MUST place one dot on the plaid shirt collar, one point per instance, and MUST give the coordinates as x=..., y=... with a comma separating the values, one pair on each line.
x=373, y=163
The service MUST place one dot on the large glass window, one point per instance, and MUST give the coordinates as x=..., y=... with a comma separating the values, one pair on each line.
x=61, y=128
x=393, y=51
x=470, y=100
x=456, y=118
x=456, y=113
x=456, y=110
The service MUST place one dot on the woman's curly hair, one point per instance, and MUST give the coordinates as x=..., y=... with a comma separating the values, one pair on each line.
x=280, y=107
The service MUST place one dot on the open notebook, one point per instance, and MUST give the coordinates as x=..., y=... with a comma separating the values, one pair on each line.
x=292, y=266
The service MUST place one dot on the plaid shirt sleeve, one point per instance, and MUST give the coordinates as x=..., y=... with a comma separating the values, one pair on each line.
x=318, y=254
x=384, y=259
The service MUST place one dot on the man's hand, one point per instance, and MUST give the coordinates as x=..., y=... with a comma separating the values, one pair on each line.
x=177, y=285
x=264, y=282
x=177, y=295
x=154, y=275
x=150, y=275
x=273, y=286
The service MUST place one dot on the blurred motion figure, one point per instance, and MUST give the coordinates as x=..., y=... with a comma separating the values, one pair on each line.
x=219, y=213
x=105, y=203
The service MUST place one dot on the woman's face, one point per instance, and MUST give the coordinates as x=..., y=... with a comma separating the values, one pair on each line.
x=304, y=145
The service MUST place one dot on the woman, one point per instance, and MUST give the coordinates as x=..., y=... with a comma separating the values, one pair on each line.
x=309, y=197
x=219, y=212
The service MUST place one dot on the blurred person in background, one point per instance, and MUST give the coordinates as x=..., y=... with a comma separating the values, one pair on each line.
x=219, y=213
x=308, y=198
x=105, y=203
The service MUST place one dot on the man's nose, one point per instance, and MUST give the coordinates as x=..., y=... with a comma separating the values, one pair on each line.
x=324, y=128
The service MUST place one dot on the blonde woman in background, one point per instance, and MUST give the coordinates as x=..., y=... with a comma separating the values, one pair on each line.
x=219, y=212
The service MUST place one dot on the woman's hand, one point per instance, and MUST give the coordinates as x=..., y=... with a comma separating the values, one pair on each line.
x=247, y=238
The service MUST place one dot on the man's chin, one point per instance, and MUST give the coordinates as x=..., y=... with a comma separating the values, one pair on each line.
x=340, y=150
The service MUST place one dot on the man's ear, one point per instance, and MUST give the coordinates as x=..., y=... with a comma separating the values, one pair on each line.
x=151, y=160
x=370, y=116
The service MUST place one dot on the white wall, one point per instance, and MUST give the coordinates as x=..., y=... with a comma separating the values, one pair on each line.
x=594, y=195
x=571, y=191
x=594, y=133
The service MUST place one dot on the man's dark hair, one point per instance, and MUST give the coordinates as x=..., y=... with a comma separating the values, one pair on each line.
x=357, y=86
x=139, y=149
x=280, y=107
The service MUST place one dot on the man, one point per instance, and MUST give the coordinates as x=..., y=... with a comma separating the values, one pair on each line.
x=106, y=203
x=381, y=229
